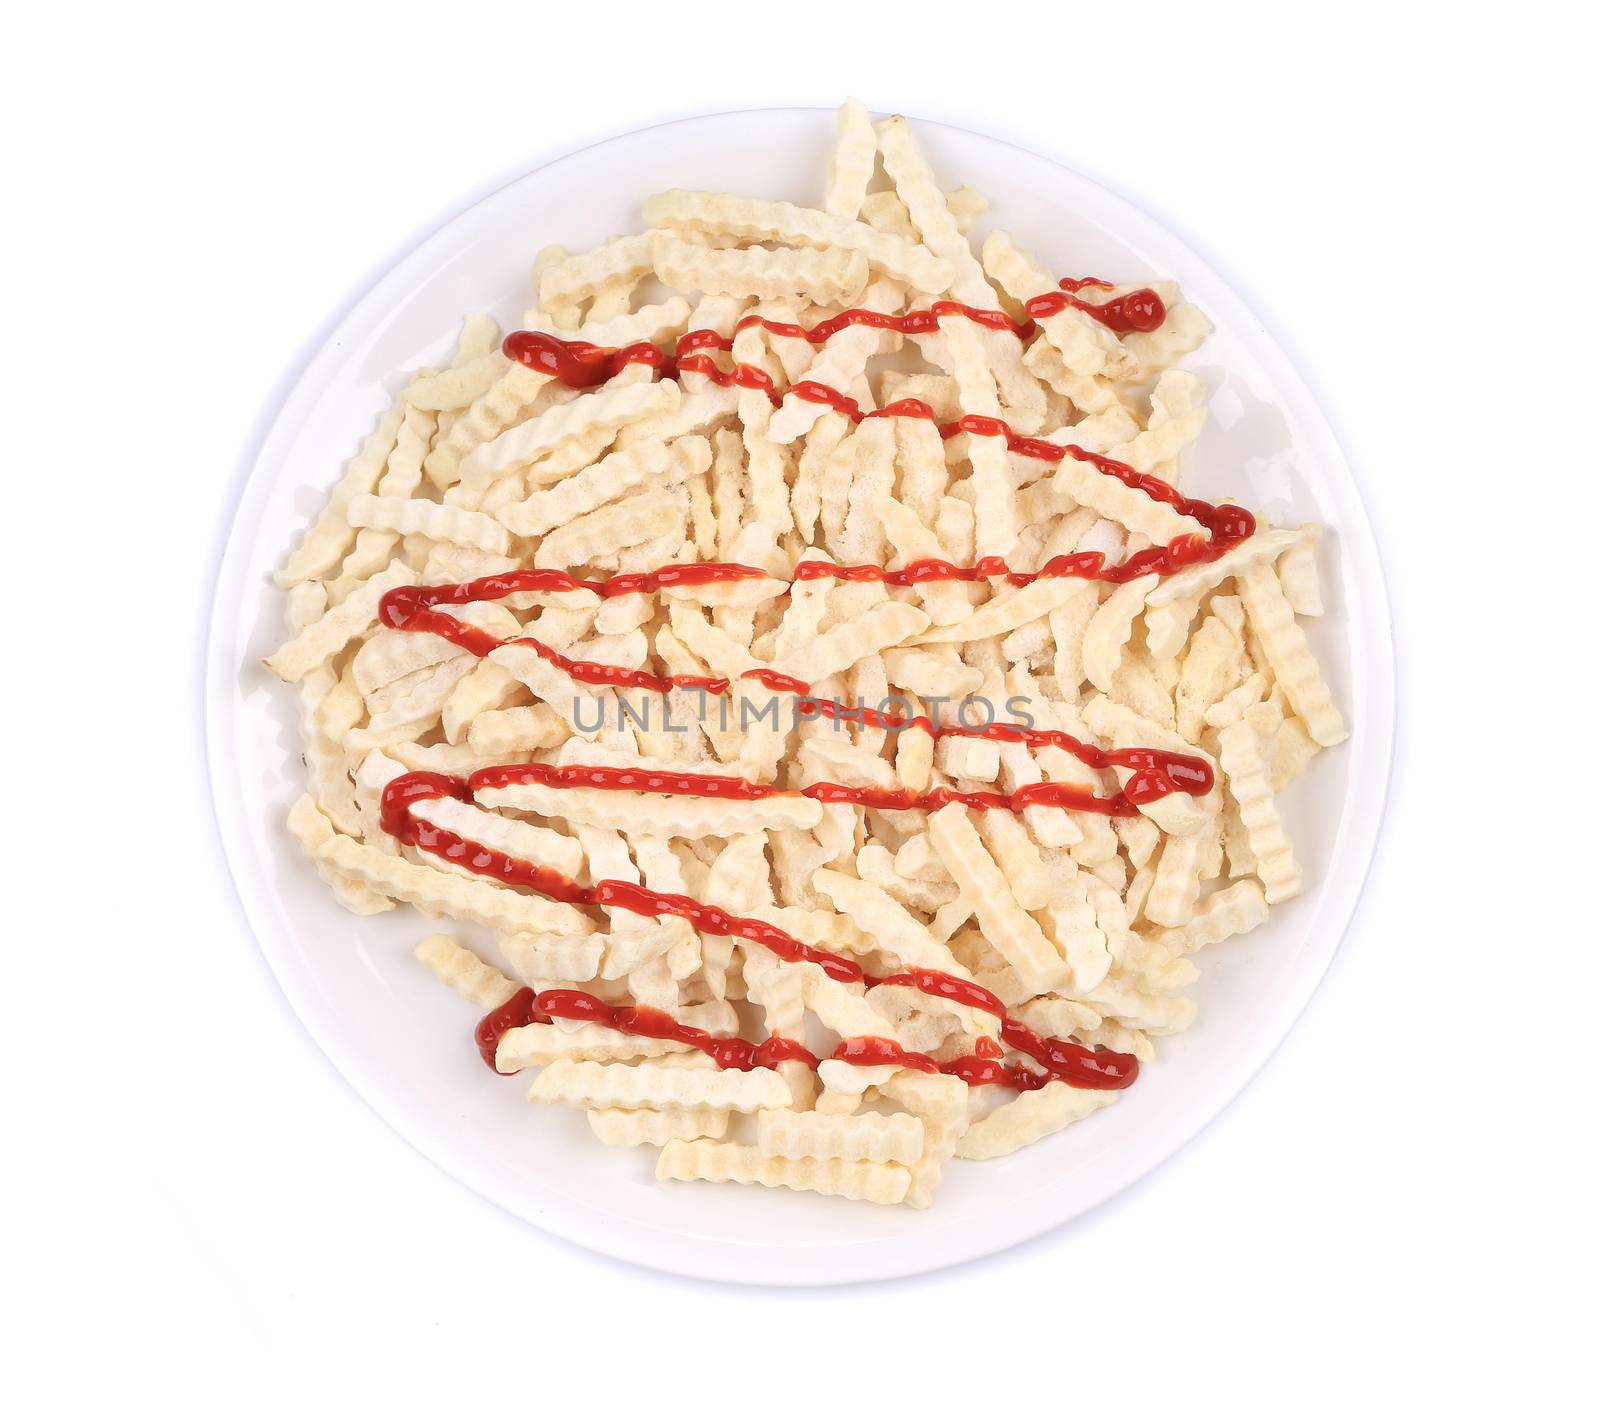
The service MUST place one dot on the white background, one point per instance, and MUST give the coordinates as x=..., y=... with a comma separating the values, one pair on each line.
x=1399, y=1211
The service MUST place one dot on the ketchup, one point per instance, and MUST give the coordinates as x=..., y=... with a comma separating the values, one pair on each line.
x=1157, y=773
x=1227, y=525
x=1059, y=1058
x=397, y=820
x=871, y=1051
x=410, y=608
x=1137, y=310
x=1154, y=773
x=582, y=365
x=526, y=1007
x=1063, y=1060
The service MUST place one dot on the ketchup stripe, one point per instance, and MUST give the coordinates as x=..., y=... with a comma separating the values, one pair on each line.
x=1157, y=773
x=583, y=365
x=1061, y=1058
x=734, y=789
x=1224, y=522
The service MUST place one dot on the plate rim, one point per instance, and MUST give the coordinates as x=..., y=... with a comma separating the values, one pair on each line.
x=281, y=412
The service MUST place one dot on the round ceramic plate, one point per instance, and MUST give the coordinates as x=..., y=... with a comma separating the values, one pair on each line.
x=405, y=1044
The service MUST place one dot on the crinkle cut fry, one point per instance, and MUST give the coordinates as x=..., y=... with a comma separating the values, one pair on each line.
x=1290, y=656
x=325, y=637
x=1229, y=912
x=624, y=401
x=1239, y=756
x=1085, y=345
x=664, y=815
x=1014, y=933
x=310, y=829
x=437, y=520
x=855, y=153
x=617, y=1085
x=865, y=1137
x=925, y=201
x=484, y=420
x=880, y=1182
x=472, y=899
x=751, y=218
x=328, y=538
x=373, y=549
x=1030, y=1116
x=536, y=1045
x=832, y=277
x=635, y=1127
x=471, y=977
x=524, y=840
x=614, y=475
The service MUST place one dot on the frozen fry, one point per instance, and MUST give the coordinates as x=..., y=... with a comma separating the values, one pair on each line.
x=772, y=657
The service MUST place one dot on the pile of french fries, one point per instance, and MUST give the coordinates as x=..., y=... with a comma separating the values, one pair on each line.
x=1082, y=924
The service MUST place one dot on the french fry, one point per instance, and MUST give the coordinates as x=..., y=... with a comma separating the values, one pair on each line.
x=328, y=537
x=637, y=1127
x=850, y=167
x=1013, y=932
x=1239, y=756
x=648, y=1085
x=432, y=519
x=1085, y=346
x=310, y=828
x=472, y=900
x=833, y=277
x=1111, y=628
x=751, y=219
x=325, y=637
x=1029, y=1117
x=884, y=626
x=571, y=279
x=662, y=815
x=613, y=476
x=704, y=1161
x=1289, y=655
x=605, y=411
x=474, y=979
x=867, y=1137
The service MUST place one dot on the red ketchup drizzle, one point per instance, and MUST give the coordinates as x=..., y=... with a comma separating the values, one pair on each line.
x=948, y=987
x=742, y=376
x=513, y=871
x=1156, y=772
x=1061, y=1058
x=1165, y=773
x=526, y=1007
x=1141, y=310
x=870, y=1051
x=582, y=365
x=915, y=322
x=1226, y=524
x=410, y=608
x=576, y=363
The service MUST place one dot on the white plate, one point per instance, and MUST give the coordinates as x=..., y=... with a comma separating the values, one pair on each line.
x=405, y=1044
